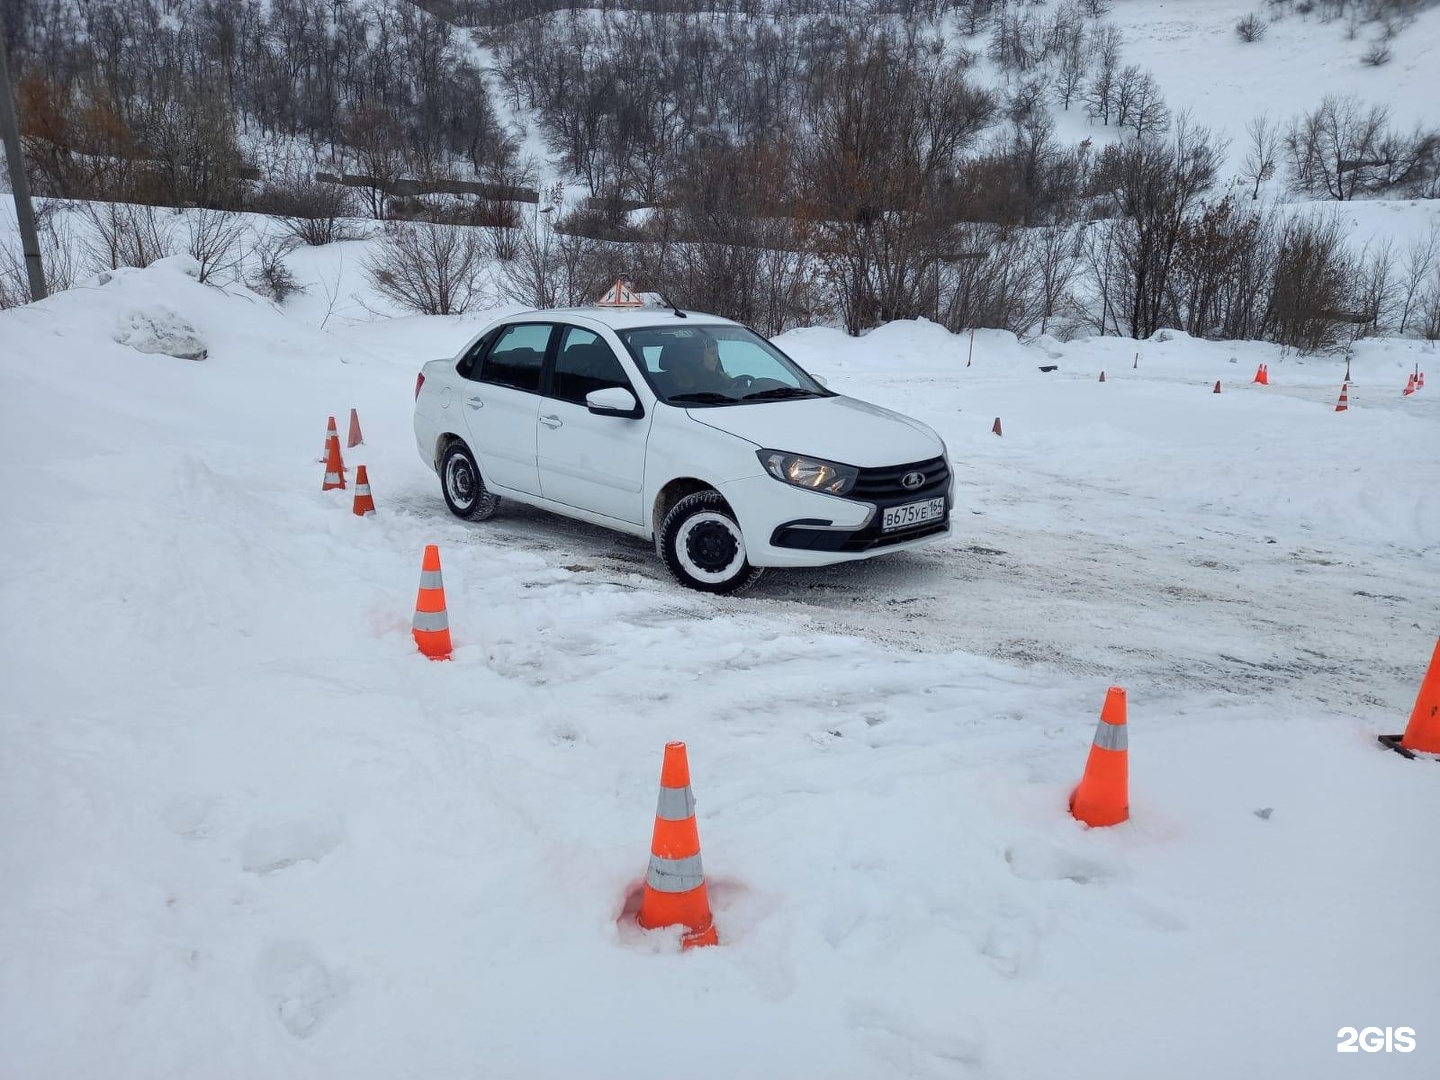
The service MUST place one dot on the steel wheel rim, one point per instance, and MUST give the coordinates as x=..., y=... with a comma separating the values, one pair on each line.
x=692, y=535
x=460, y=481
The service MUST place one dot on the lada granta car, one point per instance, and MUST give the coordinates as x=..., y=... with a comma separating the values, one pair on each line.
x=686, y=429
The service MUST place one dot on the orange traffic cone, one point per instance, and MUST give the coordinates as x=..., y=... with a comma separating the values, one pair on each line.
x=1420, y=381
x=1344, y=403
x=364, y=505
x=1217, y=387
x=1102, y=376
x=330, y=433
x=1260, y=375
x=431, y=627
x=1423, y=732
x=995, y=428
x=334, y=466
x=675, y=893
x=1103, y=796
x=354, y=438
x=1409, y=386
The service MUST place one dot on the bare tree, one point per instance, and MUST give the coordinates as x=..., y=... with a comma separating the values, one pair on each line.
x=432, y=269
x=1312, y=299
x=1423, y=259
x=1070, y=73
x=378, y=145
x=1336, y=148
x=1149, y=115
x=1430, y=310
x=1101, y=91
x=1377, y=283
x=1155, y=187
x=1263, y=154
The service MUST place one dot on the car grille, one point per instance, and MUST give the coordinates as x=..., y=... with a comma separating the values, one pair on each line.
x=884, y=485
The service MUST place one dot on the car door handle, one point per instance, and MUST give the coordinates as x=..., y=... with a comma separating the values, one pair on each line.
x=551, y=421
x=476, y=403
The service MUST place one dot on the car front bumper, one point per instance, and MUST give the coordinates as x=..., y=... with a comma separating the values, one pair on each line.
x=789, y=526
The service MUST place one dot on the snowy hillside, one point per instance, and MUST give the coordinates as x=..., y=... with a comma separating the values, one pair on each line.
x=249, y=831
x=1202, y=65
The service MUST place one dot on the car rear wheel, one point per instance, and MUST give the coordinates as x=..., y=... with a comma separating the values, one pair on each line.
x=703, y=547
x=462, y=485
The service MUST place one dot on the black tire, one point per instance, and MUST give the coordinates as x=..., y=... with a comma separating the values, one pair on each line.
x=463, y=486
x=703, y=547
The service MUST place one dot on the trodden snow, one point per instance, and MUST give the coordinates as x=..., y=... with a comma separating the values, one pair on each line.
x=250, y=832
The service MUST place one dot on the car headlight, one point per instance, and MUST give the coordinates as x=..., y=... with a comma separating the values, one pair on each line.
x=807, y=472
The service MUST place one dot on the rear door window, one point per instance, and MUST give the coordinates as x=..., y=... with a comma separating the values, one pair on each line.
x=517, y=357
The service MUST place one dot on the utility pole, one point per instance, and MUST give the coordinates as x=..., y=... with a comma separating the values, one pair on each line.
x=24, y=212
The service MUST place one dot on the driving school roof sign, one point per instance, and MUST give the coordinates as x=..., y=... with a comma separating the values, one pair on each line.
x=619, y=295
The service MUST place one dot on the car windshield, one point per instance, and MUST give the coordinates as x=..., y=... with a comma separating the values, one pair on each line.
x=698, y=366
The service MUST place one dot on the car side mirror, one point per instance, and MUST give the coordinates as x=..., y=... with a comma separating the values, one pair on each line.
x=820, y=379
x=613, y=401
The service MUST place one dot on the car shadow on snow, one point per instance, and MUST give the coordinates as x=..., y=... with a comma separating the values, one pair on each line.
x=897, y=577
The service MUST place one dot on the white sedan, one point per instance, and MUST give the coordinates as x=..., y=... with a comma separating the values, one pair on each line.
x=687, y=429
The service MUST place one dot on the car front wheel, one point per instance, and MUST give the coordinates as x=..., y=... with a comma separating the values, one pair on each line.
x=703, y=546
x=462, y=485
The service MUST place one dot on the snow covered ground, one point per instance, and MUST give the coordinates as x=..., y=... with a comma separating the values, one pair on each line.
x=249, y=831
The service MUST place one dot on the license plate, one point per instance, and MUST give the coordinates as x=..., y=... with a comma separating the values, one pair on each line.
x=916, y=513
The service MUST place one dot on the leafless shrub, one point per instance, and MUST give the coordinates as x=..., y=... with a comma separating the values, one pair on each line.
x=1377, y=55
x=314, y=212
x=270, y=276
x=126, y=234
x=504, y=244
x=1010, y=279
x=215, y=242
x=432, y=269
x=57, y=257
x=1250, y=28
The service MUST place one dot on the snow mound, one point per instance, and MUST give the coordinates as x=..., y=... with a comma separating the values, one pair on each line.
x=159, y=329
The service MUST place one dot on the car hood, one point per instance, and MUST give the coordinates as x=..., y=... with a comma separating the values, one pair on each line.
x=842, y=429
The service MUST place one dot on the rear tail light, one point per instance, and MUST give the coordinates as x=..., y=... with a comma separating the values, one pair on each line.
x=419, y=382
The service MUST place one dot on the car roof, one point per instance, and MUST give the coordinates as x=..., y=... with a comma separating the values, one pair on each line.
x=626, y=318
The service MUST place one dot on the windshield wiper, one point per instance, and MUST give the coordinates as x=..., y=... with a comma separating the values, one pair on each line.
x=778, y=392
x=704, y=397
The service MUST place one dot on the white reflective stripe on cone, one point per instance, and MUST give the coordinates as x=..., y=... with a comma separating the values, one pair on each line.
x=331, y=477
x=364, y=489
x=430, y=620
x=674, y=875
x=429, y=579
x=1112, y=736
x=675, y=804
